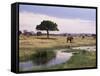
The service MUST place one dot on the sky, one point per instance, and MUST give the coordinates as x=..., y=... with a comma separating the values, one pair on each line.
x=68, y=19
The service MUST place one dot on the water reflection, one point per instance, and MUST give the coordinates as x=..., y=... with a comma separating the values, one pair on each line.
x=87, y=48
x=61, y=57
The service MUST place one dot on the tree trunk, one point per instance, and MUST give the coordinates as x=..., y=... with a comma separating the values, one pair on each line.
x=47, y=34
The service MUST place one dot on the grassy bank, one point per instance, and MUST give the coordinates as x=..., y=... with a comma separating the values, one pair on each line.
x=83, y=59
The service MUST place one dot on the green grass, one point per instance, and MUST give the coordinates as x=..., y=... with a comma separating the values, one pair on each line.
x=82, y=60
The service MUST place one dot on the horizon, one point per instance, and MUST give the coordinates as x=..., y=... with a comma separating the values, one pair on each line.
x=54, y=33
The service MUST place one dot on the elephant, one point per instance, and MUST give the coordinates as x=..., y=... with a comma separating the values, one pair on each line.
x=69, y=39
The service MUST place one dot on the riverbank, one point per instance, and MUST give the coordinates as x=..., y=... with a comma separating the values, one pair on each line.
x=80, y=59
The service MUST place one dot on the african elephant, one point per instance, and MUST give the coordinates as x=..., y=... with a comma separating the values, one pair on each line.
x=69, y=39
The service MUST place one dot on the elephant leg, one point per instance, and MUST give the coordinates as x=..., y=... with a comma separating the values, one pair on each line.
x=70, y=41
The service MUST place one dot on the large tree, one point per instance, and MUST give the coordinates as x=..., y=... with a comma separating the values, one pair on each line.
x=47, y=26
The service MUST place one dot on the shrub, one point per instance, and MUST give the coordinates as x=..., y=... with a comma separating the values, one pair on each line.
x=43, y=56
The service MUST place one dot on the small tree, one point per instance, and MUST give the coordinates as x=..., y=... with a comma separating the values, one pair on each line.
x=47, y=26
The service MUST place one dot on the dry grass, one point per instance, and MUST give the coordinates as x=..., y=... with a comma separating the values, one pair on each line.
x=30, y=44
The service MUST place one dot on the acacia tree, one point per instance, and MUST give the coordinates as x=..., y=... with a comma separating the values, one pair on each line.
x=47, y=26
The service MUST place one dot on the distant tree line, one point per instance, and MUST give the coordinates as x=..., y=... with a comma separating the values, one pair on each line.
x=29, y=33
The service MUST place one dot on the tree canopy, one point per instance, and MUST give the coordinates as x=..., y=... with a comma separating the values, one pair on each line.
x=47, y=25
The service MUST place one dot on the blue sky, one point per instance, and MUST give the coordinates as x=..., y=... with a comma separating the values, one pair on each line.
x=62, y=12
x=68, y=19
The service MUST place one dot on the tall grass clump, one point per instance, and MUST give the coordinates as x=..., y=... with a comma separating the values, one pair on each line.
x=43, y=56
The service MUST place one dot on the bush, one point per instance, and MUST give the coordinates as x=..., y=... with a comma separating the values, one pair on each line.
x=43, y=56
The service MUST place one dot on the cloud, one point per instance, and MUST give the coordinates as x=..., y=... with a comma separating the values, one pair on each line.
x=29, y=20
